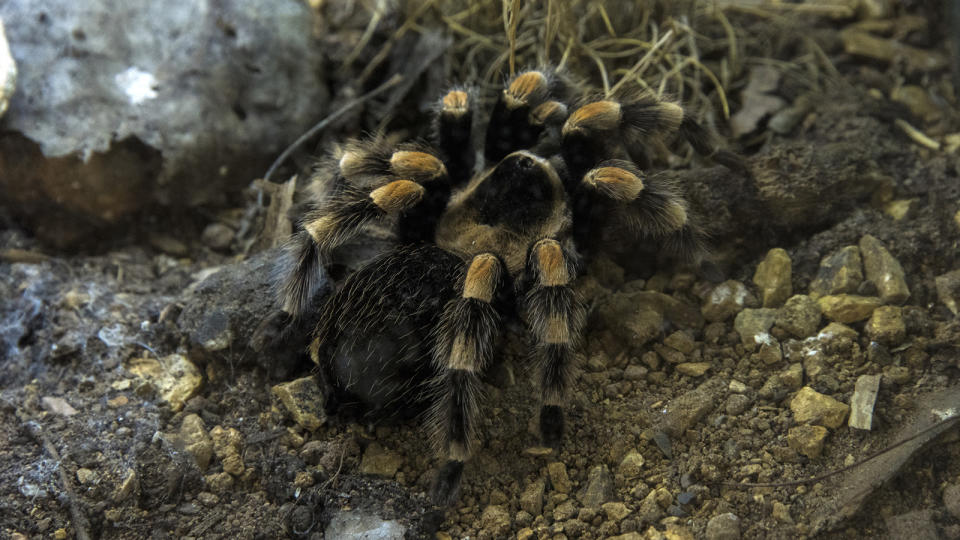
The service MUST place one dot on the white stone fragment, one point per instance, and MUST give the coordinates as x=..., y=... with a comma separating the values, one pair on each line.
x=139, y=85
x=863, y=400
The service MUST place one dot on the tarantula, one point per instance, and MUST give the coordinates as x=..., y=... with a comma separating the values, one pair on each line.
x=477, y=244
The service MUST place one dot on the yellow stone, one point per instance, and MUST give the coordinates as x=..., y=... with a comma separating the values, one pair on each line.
x=773, y=277
x=812, y=407
x=304, y=401
x=175, y=378
x=900, y=208
x=848, y=308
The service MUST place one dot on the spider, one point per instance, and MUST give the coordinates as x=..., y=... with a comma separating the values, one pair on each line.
x=479, y=243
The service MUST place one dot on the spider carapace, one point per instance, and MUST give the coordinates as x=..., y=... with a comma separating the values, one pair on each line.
x=416, y=328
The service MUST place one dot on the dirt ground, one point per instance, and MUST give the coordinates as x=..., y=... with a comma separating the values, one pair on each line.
x=661, y=425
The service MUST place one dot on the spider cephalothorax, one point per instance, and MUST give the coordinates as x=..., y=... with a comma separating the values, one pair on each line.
x=419, y=325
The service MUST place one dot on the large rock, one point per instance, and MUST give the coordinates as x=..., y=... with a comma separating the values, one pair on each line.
x=637, y=318
x=180, y=102
x=8, y=72
x=794, y=184
x=225, y=311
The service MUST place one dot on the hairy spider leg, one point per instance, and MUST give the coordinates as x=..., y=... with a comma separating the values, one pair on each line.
x=467, y=335
x=521, y=113
x=453, y=127
x=556, y=319
x=369, y=183
x=614, y=192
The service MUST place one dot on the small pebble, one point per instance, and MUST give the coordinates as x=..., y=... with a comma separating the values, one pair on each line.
x=217, y=236
x=723, y=527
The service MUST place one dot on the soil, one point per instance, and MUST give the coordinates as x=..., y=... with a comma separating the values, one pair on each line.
x=72, y=327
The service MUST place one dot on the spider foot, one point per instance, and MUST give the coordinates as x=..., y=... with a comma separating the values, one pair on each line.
x=551, y=426
x=446, y=486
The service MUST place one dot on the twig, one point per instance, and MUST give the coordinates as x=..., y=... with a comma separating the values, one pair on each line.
x=14, y=255
x=918, y=136
x=393, y=81
x=76, y=513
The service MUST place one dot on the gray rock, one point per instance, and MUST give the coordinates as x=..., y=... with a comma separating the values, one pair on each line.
x=916, y=525
x=631, y=466
x=883, y=270
x=863, y=400
x=774, y=388
x=770, y=352
x=948, y=290
x=951, y=499
x=800, y=316
x=649, y=511
x=495, y=521
x=799, y=192
x=753, y=325
x=57, y=405
x=558, y=477
x=217, y=236
x=680, y=341
x=531, y=500
x=840, y=272
x=683, y=412
x=599, y=488
x=783, y=122
x=224, y=310
x=214, y=90
x=792, y=377
x=361, y=525
x=723, y=527
x=726, y=300
x=637, y=318
x=736, y=404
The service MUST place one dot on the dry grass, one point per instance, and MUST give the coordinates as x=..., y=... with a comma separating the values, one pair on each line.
x=604, y=43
